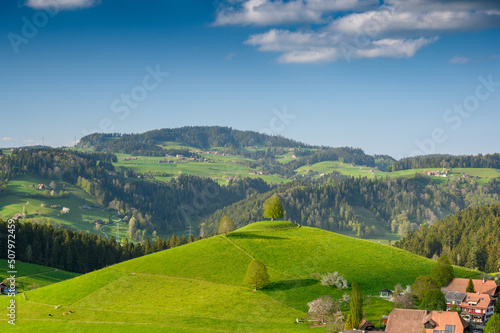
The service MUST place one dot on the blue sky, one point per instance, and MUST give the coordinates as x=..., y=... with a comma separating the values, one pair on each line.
x=389, y=77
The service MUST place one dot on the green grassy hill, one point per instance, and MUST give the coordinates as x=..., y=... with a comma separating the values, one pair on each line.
x=199, y=287
x=31, y=276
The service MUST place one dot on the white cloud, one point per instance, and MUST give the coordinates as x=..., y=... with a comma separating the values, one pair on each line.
x=459, y=60
x=355, y=28
x=230, y=56
x=266, y=12
x=61, y=4
x=7, y=138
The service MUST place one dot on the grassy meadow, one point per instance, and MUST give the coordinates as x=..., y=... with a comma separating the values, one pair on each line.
x=31, y=276
x=199, y=287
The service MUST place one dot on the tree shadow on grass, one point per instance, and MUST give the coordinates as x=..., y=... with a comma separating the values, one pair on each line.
x=289, y=284
x=249, y=235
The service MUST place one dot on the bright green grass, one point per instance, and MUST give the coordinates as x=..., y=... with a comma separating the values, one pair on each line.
x=199, y=286
x=222, y=168
x=31, y=276
x=21, y=194
x=302, y=251
x=484, y=174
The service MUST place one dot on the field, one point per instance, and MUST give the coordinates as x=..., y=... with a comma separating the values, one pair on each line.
x=31, y=276
x=483, y=174
x=23, y=193
x=220, y=168
x=199, y=287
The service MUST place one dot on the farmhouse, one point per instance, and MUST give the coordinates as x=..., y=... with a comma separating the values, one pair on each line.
x=477, y=308
x=435, y=173
x=418, y=321
x=17, y=216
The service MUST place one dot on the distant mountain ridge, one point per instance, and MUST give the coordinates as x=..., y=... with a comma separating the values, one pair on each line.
x=203, y=137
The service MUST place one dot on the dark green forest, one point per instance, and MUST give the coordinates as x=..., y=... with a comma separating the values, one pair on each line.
x=448, y=161
x=469, y=238
x=80, y=252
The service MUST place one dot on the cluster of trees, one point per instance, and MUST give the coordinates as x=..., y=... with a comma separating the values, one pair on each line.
x=447, y=161
x=56, y=164
x=402, y=203
x=383, y=162
x=470, y=238
x=73, y=251
x=328, y=310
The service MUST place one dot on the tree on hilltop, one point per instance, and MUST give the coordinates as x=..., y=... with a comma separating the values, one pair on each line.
x=256, y=276
x=273, y=208
x=226, y=225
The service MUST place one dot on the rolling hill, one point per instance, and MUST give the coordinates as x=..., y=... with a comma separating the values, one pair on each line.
x=198, y=287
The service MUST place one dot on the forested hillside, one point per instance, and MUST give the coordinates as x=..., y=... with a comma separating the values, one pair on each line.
x=403, y=203
x=448, y=161
x=470, y=238
x=203, y=137
x=148, y=205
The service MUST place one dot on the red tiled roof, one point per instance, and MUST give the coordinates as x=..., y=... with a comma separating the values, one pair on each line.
x=412, y=321
x=482, y=300
x=488, y=287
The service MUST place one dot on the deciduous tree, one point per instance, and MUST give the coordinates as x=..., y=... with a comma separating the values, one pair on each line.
x=442, y=272
x=433, y=300
x=322, y=307
x=256, y=276
x=226, y=225
x=422, y=284
x=273, y=208
x=493, y=325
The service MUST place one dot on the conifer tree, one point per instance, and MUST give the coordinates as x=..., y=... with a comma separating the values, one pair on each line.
x=356, y=305
x=348, y=323
x=470, y=287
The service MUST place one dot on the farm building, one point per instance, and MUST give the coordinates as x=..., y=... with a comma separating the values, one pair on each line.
x=385, y=293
